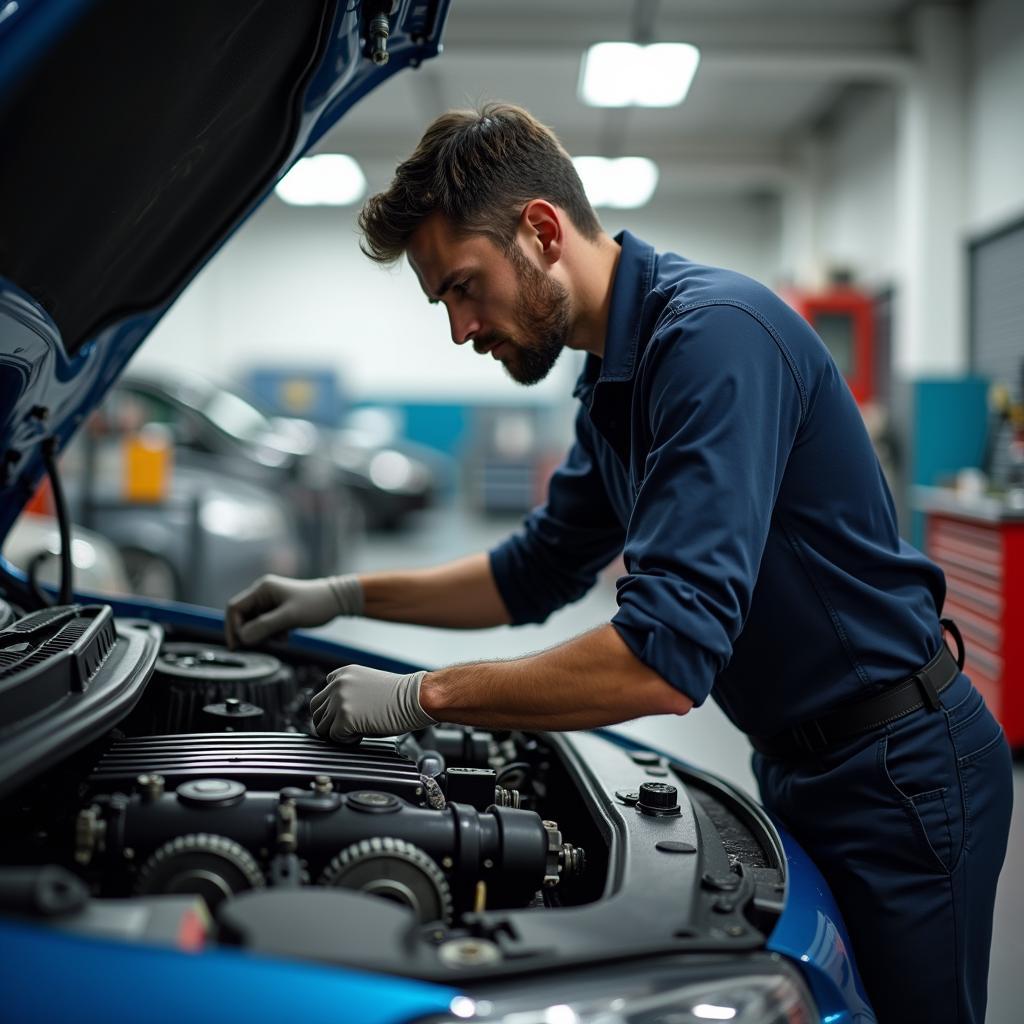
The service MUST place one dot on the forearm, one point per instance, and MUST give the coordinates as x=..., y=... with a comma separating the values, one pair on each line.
x=590, y=681
x=458, y=595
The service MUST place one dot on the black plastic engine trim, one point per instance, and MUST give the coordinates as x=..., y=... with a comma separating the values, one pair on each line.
x=33, y=744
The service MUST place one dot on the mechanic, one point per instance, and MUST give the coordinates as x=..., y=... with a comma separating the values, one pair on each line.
x=719, y=451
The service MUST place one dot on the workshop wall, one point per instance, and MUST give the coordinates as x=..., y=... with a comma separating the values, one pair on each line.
x=884, y=149
x=858, y=198
x=293, y=285
x=996, y=151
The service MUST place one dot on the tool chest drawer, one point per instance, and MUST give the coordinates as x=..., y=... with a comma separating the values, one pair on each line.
x=984, y=567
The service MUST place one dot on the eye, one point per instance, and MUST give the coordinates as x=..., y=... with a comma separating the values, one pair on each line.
x=462, y=287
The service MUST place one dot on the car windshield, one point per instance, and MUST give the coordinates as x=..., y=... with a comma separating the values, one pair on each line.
x=235, y=416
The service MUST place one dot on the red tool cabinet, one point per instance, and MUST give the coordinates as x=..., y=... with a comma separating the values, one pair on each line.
x=845, y=320
x=979, y=544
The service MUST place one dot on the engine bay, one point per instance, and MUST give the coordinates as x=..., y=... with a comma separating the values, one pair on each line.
x=159, y=787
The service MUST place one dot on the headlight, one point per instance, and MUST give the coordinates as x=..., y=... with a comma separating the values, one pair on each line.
x=774, y=996
x=226, y=517
x=391, y=470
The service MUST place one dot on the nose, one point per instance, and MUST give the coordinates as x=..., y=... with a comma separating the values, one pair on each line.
x=464, y=327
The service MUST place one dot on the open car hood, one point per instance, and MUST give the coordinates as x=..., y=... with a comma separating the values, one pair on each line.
x=137, y=138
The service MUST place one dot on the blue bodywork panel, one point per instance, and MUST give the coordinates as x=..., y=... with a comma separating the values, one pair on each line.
x=812, y=934
x=48, y=976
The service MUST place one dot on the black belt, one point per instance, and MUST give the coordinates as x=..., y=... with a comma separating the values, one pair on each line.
x=920, y=690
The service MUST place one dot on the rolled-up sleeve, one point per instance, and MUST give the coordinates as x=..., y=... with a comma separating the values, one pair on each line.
x=554, y=560
x=724, y=408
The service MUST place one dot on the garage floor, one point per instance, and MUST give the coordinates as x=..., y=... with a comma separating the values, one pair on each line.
x=707, y=737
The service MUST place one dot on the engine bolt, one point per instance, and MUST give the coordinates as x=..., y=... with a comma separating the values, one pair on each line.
x=571, y=860
x=554, y=858
x=380, y=30
x=152, y=786
x=90, y=833
x=322, y=784
x=287, y=824
x=469, y=953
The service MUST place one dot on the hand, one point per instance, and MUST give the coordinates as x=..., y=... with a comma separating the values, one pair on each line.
x=274, y=604
x=359, y=701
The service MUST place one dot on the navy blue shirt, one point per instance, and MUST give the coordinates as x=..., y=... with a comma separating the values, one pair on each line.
x=719, y=449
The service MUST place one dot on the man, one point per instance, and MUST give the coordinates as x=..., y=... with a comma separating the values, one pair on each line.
x=720, y=452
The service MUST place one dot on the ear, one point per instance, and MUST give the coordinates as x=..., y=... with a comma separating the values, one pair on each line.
x=542, y=226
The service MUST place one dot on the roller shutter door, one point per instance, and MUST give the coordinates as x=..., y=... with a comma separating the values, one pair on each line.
x=997, y=318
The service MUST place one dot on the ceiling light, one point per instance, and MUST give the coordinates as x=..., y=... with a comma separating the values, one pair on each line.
x=624, y=183
x=630, y=75
x=329, y=179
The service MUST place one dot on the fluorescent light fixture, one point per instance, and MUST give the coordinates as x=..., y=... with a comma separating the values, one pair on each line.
x=630, y=75
x=624, y=183
x=330, y=179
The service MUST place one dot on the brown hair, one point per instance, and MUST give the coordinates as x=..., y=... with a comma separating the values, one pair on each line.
x=479, y=168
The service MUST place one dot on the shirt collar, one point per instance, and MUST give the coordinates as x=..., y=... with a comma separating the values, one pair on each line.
x=633, y=281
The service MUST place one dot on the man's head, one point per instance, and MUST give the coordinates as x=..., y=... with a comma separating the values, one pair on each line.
x=482, y=209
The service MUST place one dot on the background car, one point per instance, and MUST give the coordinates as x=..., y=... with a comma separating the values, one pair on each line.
x=324, y=469
x=33, y=546
x=201, y=536
x=218, y=431
x=393, y=478
x=392, y=475
x=176, y=839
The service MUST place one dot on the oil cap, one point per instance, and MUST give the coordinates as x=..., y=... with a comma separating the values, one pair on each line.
x=658, y=799
x=371, y=802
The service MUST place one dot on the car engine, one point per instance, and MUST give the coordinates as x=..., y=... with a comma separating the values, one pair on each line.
x=156, y=787
x=218, y=813
x=212, y=786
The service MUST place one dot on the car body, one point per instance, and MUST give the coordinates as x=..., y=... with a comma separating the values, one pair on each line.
x=218, y=431
x=35, y=538
x=177, y=844
x=393, y=477
x=205, y=539
x=214, y=424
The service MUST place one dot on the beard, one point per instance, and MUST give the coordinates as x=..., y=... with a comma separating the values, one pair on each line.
x=542, y=321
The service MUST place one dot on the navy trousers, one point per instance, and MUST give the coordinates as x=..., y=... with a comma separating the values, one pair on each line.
x=909, y=826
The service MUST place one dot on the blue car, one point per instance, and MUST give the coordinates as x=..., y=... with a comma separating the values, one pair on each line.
x=177, y=845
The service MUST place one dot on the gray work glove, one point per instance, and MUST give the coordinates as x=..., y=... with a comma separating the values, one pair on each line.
x=359, y=701
x=274, y=604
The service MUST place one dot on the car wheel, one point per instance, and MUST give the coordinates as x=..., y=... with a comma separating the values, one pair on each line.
x=150, y=576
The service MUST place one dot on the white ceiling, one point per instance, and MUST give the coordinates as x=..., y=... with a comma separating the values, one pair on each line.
x=770, y=71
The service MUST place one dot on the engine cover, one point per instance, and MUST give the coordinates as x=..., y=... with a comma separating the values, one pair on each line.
x=266, y=761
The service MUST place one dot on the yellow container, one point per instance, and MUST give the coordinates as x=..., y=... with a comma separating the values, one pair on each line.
x=148, y=465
